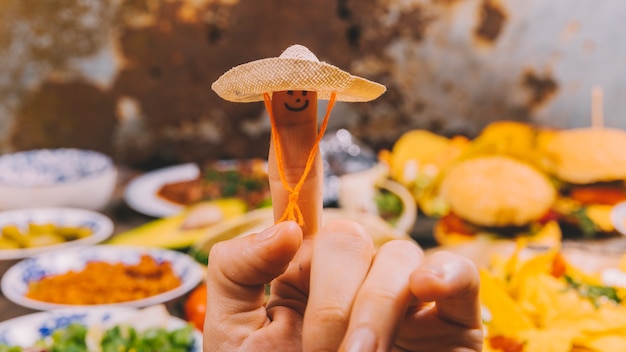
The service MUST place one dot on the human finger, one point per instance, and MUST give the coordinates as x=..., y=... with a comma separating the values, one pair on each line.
x=294, y=137
x=342, y=255
x=453, y=283
x=384, y=297
x=237, y=271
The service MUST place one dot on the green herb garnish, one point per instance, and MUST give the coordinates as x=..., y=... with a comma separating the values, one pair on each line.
x=389, y=205
x=587, y=226
x=593, y=292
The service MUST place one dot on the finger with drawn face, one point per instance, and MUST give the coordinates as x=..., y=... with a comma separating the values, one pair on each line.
x=295, y=127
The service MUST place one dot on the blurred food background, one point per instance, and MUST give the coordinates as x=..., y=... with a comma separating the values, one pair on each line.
x=501, y=137
x=131, y=78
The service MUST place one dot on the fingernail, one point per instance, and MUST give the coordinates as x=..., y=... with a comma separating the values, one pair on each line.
x=362, y=340
x=267, y=233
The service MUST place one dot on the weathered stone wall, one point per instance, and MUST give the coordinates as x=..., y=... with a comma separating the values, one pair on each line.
x=132, y=77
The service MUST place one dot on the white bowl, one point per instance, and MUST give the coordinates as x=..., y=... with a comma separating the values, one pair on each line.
x=17, y=278
x=100, y=225
x=62, y=177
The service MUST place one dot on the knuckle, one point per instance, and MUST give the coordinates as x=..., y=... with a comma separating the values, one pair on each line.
x=217, y=251
x=380, y=294
x=328, y=315
x=348, y=234
x=401, y=250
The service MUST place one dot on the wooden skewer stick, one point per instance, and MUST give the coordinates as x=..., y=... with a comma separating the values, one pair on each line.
x=597, y=114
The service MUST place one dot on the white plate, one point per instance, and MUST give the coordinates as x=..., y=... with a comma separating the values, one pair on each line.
x=100, y=225
x=141, y=192
x=16, y=279
x=26, y=330
x=618, y=217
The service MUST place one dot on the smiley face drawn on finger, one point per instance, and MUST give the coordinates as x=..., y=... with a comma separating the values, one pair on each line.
x=298, y=100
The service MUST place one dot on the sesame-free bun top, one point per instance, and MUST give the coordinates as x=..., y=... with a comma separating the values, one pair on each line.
x=587, y=155
x=497, y=191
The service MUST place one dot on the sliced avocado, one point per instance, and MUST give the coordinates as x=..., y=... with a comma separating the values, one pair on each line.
x=252, y=221
x=169, y=233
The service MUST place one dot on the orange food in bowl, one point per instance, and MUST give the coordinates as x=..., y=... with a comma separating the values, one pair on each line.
x=102, y=283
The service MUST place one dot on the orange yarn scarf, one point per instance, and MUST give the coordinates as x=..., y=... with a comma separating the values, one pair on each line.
x=292, y=211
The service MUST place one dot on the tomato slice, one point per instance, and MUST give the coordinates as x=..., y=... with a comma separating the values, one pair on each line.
x=603, y=195
x=550, y=215
x=559, y=266
x=506, y=344
x=452, y=223
x=195, y=306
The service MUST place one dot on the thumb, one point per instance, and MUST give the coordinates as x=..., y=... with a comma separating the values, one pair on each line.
x=239, y=268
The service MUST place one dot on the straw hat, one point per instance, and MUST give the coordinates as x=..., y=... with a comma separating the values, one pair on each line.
x=297, y=68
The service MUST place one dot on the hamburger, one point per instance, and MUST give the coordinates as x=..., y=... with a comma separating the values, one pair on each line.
x=496, y=197
x=416, y=160
x=514, y=139
x=588, y=167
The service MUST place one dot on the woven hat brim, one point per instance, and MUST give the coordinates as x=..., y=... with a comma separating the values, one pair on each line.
x=248, y=82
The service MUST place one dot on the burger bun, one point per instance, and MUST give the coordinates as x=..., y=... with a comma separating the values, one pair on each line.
x=497, y=191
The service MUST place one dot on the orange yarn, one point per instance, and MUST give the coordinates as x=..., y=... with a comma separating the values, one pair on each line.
x=293, y=211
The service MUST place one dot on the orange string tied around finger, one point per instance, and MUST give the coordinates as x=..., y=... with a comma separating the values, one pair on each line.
x=292, y=210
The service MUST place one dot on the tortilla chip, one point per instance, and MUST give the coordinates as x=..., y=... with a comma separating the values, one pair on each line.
x=606, y=343
x=539, y=264
x=507, y=319
x=550, y=310
x=550, y=340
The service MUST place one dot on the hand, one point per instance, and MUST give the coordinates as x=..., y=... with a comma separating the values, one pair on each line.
x=330, y=290
x=358, y=300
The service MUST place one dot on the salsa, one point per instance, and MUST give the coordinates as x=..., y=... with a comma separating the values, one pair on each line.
x=101, y=282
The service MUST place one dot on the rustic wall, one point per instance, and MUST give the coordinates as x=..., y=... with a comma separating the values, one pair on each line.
x=132, y=77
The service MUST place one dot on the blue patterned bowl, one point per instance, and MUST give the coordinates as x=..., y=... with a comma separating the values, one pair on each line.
x=100, y=225
x=56, y=177
x=16, y=279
